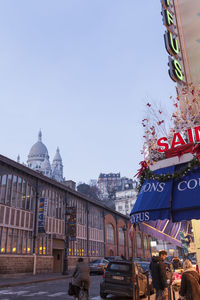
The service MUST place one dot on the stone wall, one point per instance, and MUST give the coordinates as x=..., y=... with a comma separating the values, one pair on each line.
x=44, y=264
x=11, y=264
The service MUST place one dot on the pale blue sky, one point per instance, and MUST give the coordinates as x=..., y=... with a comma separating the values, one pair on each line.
x=82, y=71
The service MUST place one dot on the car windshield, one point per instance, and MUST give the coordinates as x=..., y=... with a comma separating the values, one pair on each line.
x=120, y=267
x=97, y=261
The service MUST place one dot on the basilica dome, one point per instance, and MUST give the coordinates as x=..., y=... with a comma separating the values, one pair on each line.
x=38, y=160
x=38, y=150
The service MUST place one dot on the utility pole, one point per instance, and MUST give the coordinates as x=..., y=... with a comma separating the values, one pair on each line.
x=65, y=263
x=133, y=263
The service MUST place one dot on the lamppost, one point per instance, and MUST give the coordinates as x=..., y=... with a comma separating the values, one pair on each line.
x=124, y=228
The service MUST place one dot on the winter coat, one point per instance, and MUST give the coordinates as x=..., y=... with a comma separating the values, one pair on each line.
x=190, y=285
x=81, y=273
x=158, y=273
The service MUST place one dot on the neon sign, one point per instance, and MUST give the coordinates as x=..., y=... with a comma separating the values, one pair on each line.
x=171, y=41
x=192, y=135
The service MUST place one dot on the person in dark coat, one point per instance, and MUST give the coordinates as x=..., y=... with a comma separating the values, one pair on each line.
x=176, y=263
x=190, y=282
x=81, y=274
x=159, y=276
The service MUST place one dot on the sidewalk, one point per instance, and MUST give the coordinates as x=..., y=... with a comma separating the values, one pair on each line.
x=9, y=280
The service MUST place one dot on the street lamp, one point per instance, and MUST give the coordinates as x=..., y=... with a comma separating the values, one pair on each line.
x=124, y=231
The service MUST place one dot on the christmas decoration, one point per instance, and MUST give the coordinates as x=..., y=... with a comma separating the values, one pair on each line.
x=194, y=164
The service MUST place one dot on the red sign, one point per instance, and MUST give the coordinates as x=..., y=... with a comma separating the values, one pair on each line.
x=179, y=139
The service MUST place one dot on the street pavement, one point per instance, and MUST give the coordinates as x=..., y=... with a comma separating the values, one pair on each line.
x=53, y=289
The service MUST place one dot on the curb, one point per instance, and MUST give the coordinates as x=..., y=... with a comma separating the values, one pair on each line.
x=33, y=281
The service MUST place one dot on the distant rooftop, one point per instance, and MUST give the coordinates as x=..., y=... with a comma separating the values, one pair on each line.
x=110, y=175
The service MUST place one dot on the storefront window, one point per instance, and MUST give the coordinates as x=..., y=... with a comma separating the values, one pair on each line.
x=24, y=242
x=9, y=241
x=29, y=243
x=14, y=243
x=3, y=239
x=20, y=240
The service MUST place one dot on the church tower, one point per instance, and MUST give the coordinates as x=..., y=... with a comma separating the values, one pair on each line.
x=57, y=167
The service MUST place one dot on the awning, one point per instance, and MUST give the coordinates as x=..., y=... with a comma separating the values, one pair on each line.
x=176, y=200
x=186, y=197
x=166, y=230
x=154, y=199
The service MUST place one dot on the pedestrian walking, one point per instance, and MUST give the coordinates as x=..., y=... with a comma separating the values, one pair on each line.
x=159, y=276
x=190, y=282
x=81, y=280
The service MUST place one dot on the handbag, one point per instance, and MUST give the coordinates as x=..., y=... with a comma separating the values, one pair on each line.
x=70, y=289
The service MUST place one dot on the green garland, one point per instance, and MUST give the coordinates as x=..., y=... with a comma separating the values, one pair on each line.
x=149, y=175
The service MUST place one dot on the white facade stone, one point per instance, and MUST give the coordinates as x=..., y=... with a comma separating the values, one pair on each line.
x=125, y=200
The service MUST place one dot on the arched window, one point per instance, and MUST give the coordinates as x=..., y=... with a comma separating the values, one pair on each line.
x=139, y=240
x=121, y=237
x=110, y=234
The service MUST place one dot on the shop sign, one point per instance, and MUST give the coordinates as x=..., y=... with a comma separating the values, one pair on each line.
x=179, y=139
x=171, y=41
x=42, y=215
x=140, y=217
x=71, y=223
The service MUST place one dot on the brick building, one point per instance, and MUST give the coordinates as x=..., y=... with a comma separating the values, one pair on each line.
x=33, y=224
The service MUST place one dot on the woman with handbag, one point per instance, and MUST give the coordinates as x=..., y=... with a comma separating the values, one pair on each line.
x=190, y=283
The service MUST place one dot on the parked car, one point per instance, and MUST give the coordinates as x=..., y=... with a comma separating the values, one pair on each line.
x=98, y=265
x=112, y=258
x=118, y=280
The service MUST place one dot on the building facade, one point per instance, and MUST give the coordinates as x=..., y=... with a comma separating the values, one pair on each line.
x=34, y=227
x=124, y=201
x=109, y=184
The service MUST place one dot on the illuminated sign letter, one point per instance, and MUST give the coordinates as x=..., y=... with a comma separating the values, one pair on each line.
x=196, y=129
x=168, y=18
x=190, y=135
x=162, y=144
x=175, y=70
x=178, y=142
x=171, y=44
x=167, y=2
